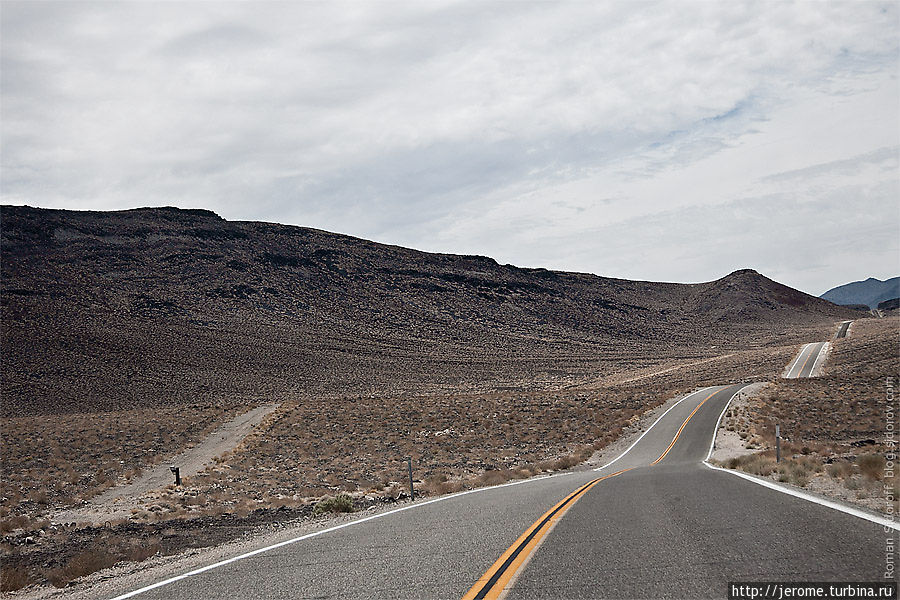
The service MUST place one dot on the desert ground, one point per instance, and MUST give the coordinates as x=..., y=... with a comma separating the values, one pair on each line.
x=306, y=455
x=130, y=338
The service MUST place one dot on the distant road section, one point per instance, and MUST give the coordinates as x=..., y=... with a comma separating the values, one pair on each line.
x=842, y=330
x=812, y=356
x=808, y=361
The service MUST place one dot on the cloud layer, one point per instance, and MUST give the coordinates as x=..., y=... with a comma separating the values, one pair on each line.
x=655, y=140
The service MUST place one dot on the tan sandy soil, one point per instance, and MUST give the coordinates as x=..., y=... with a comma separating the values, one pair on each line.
x=729, y=443
x=117, y=502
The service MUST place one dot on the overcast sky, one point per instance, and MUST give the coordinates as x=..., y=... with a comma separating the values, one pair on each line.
x=671, y=141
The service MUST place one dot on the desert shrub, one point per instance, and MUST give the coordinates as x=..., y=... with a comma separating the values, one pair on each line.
x=796, y=472
x=38, y=496
x=83, y=563
x=799, y=475
x=564, y=462
x=871, y=466
x=14, y=578
x=11, y=523
x=493, y=477
x=756, y=464
x=340, y=503
x=139, y=552
x=439, y=484
x=839, y=470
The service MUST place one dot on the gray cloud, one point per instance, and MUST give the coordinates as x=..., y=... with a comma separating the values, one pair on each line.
x=501, y=128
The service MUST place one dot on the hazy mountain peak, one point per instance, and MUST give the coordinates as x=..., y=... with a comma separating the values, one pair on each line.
x=867, y=292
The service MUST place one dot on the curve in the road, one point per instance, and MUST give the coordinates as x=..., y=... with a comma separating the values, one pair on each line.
x=372, y=556
x=499, y=578
x=682, y=530
x=675, y=529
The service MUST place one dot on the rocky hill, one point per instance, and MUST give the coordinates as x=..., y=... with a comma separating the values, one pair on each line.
x=150, y=306
x=869, y=292
x=892, y=304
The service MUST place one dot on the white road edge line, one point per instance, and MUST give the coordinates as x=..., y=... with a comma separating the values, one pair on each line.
x=227, y=561
x=887, y=523
x=823, y=352
x=646, y=431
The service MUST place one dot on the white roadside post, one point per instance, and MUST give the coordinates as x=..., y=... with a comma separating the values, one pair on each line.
x=777, y=443
x=412, y=493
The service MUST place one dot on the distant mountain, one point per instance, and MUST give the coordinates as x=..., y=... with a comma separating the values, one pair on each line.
x=869, y=292
x=148, y=306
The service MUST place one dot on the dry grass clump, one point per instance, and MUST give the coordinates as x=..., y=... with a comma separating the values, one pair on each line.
x=102, y=556
x=341, y=503
x=796, y=470
x=13, y=578
x=439, y=484
x=85, y=563
x=841, y=469
x=104, y=552
x=871, y=466
x=23, y=522
x=756, y=464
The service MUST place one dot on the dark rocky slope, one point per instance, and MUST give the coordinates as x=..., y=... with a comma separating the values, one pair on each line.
x=149, y=306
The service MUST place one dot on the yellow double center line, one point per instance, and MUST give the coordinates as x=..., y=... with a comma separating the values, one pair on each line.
x=495, y=580
x=800, y=372
x=680, y=429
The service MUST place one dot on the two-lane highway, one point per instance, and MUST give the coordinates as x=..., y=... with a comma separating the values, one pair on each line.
x=633, y=529
x=809, y=359
x=679, y=529
x=432, y=550
x=842, y=330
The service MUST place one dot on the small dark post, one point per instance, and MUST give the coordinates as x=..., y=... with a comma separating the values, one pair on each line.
x=177, y=474
x=777, y=444
x=412, y=493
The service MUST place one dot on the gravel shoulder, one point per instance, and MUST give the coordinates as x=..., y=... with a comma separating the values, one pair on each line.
x=729, y=443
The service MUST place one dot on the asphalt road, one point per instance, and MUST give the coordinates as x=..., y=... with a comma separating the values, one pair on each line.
x=675, y=529
x=681, y=530
x=809, y=358
x=842, y=330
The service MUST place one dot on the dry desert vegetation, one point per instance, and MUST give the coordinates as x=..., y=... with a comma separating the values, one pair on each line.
x=129, y=336
x=310, y=457
x=835, y=428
